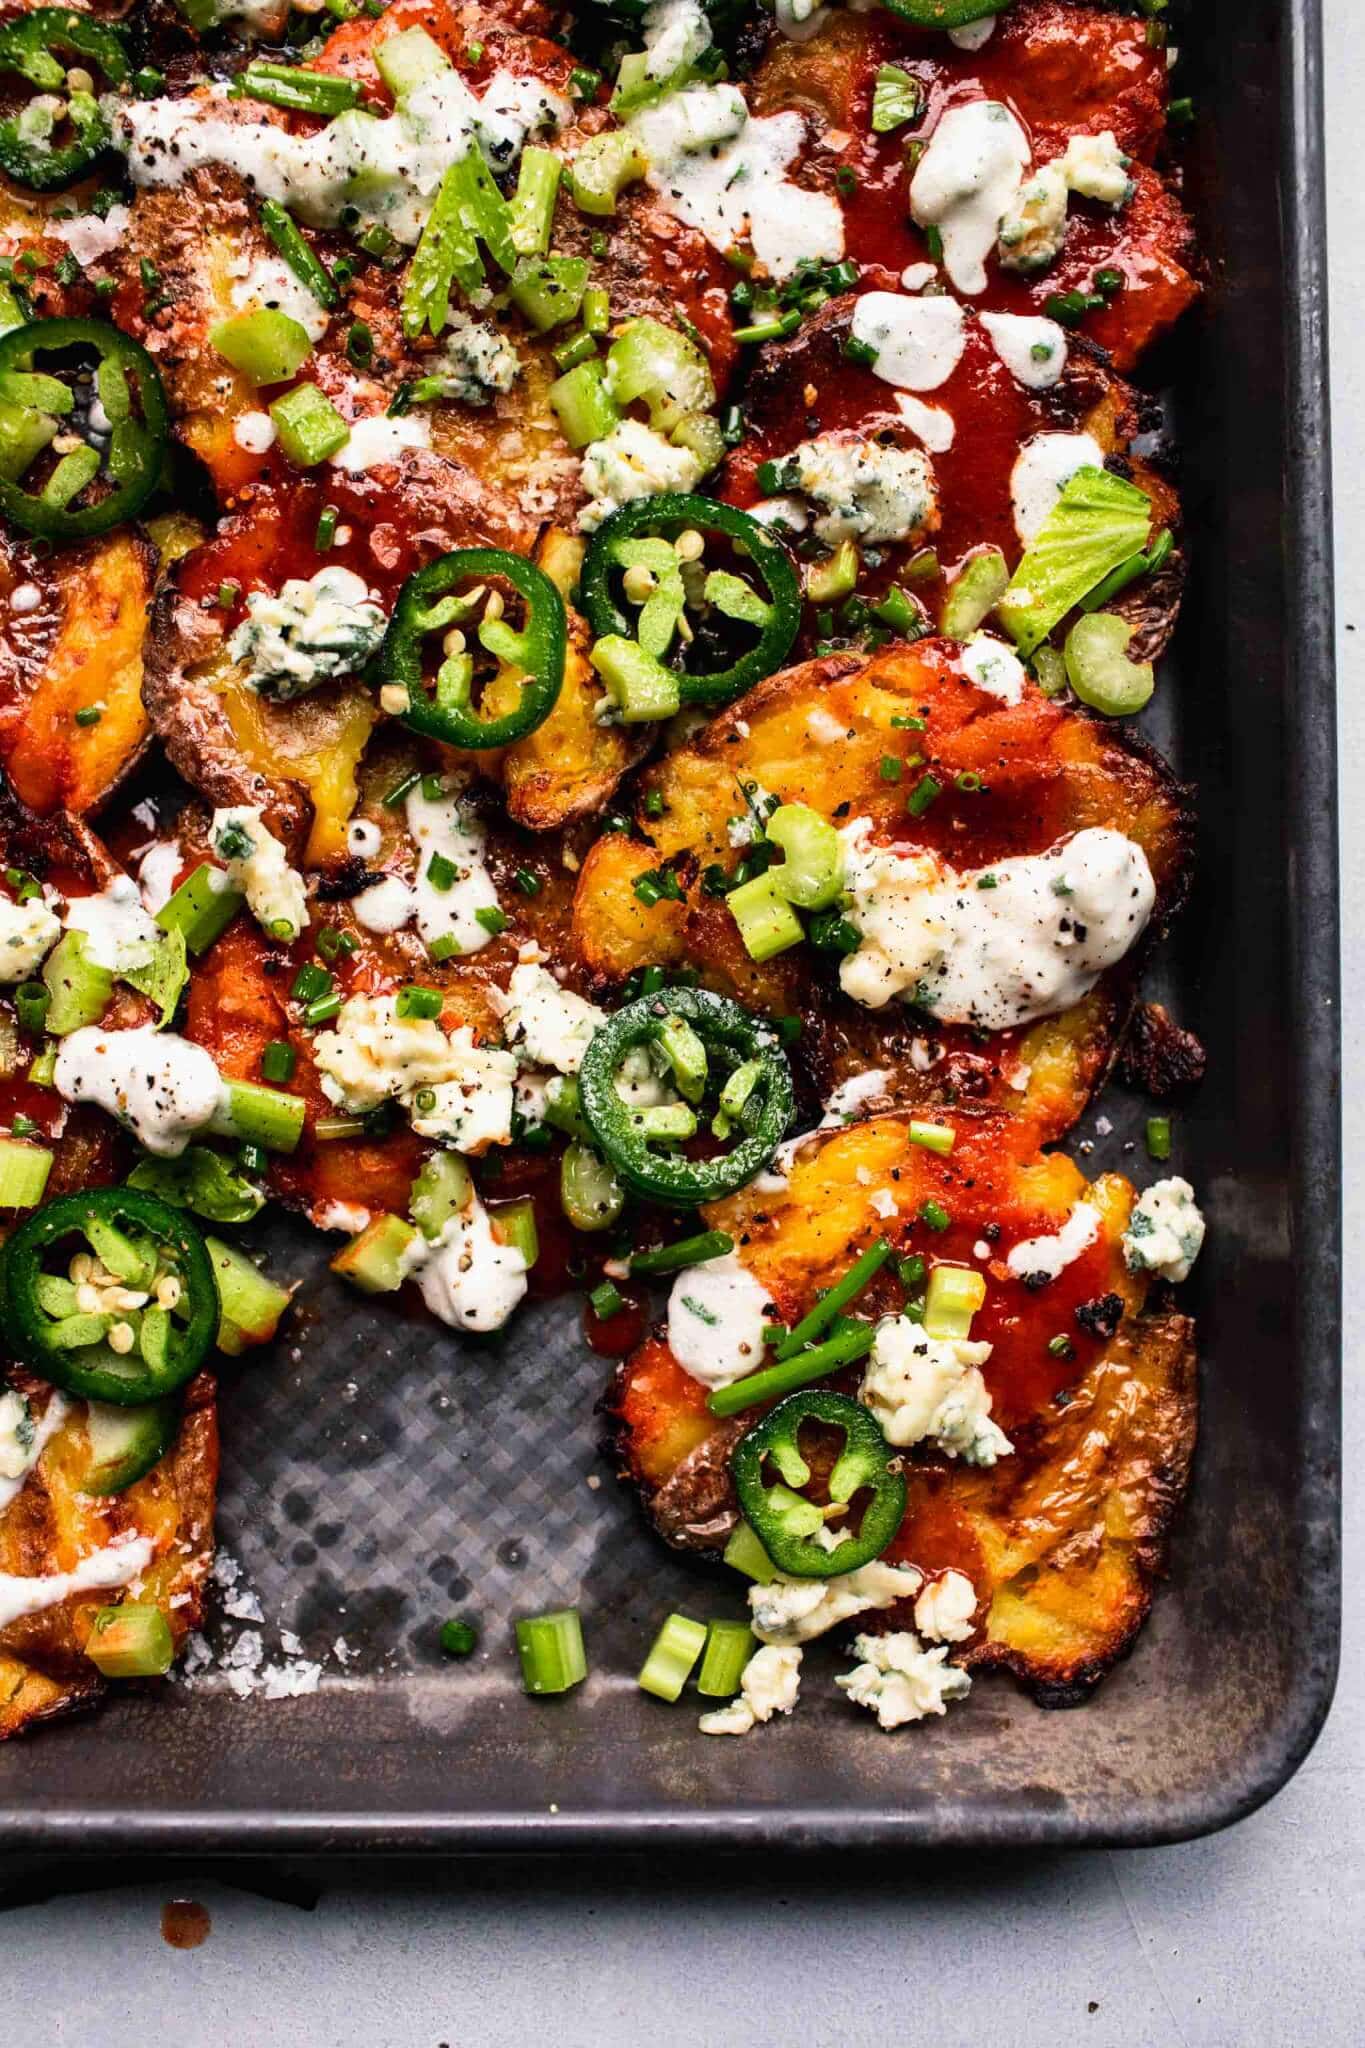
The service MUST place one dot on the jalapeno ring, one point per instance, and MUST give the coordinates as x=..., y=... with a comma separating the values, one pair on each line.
x=623, y=1133
x=68, y=1345
x=784, y=1521
x=27, y=424
x=644, y=519
x=27, y=46
x=944, y=14
x=426, y=605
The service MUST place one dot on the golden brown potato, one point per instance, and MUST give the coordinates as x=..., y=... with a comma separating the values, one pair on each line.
x=50, y=1524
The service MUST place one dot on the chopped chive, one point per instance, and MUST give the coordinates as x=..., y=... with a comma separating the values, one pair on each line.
x=1158, y=1137
x=583, y=82
x=416, y=1001
x=775, y=329
x=792, y=1372
x=458, y=1638
x=445, y=947
x=922, y=795
x=90, y=714
x=910, y=1271
x=360, y=344
x=606, y=1301
x=934, y=1214
x=31, y=999
x=910, y=723
x=400, y=790
x=688, y=1251
x=310, y=982
x=528, y=883
x=846, y=180
x=891, y=768
x=323, y=1010
x=837, y=1300
x=492, y=919
x=335, y=945
x=1061, y=1346
x=933, y=1137
x=968, y=782
x=278, y=1061
x=441, y=872
x=860, y=351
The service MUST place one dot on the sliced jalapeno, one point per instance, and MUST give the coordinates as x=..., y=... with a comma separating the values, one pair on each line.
x=124, y=1337
x=429, y=602
x=28, y=49
x=683, y=1028
x=96, y=406
x=944, y=13
x=787, y=1520
x=638, y=545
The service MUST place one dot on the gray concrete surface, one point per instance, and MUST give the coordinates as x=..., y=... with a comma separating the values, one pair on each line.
x=1250, y=1940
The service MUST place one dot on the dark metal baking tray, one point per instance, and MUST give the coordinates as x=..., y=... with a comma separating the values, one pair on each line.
x=379, y=1475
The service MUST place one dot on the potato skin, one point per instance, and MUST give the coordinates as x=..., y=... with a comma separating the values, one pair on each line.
x=43, y=1668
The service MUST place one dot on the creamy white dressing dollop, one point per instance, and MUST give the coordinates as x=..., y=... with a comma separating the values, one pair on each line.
x=716, y=1318
x=918, y=342
x=1042, y=469
x=157, y=1083
x=24, y=1437
x=966, y=182
x=119, y=934
x=1043, y=1258
x=994, y=947
x=1032, y=349
x=465, y=1276
x=118, y=1564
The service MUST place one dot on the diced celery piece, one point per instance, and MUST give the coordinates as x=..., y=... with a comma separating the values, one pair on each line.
x=515, y=1224
x=373, y=1261
x=202, y=907
x=675, y=1650
x=661, y=366
x=133, y=1640
x=79, y=988
x=265, y=345
x=549, y=290
x=250, y=1304
x=309, y=426
x=1098, y=667
x=409, y=59
x=745, y=1553
x=812, y=873
x=533, y=202
x=23, y=1174
x=257, y=1115
x=828, y=581
x=641, y=687
x=954, y=1295
x=440, y=1191
x=551, y=1650
x=729, y=1646
x=975, y=594
x=582, y=404
x=767, y=923
x=603, y=168
x=1097, y=524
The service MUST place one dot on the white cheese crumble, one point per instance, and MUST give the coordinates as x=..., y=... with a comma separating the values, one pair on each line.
x=900, y=1681
x=796, y=1610
x=993, y=667
x=919, y=342
x=549, y=1025
x=453, y=1088
x=28, y=932
x=88, y=237
x=966, y=183
x=258, y=866
x=1034, y=230
x=157, y=1083
x=466, y=1276
x=921, y=1387
x=851, y=1097
x=716, y=1321
x=995, y=947
x=1165, y=1231
x=377, y=439
x=768, y=1685
x=1097, y=168
x=1032, y=349
x=118, y=1564
x=255, y=432
x=799, y=20
x=475, y=361
x=725, y=173
x=632, y=461
x=1039, y=1259
x=388, y=169
x=119, y=935
x=944, y=1610
x=1042, y=469
x=312, y=629
x=869, y=492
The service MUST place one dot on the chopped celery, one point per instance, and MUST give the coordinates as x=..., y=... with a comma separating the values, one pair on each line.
x=550, y=1647
x=266, y=346
x=442, y=1188
x=250, y=1305
x=1098, y=667
x=745, y=1553
x=582, y=404
x=373, y=1261
x=675, y=1650
x=1098, y=523
x=641, y=687
x=812, y=872
x=202, y=907
x=78, y=987
x=548, y=290
x=514, y=1223
x=1049, y=668
x=409, y=59
x=23, y=1174
x=737, y=599
x=954, y=1295
x=767, y=923
x=974, y=594
x=163, y=977
x=729, y=1646
x=469, y=209
x=661, y=366
x=826, y=581
x=589, y=1193
x=130, y=1641
x=603, y=168
x=309, y=426
x=533, y=202
x=256, y=1115
x=897, y=97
